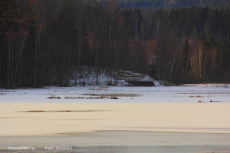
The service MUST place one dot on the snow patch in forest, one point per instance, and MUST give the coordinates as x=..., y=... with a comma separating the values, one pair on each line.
x=92, y=76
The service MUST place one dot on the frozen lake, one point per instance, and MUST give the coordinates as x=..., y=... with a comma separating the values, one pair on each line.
x=177, y=119
x=202, y=93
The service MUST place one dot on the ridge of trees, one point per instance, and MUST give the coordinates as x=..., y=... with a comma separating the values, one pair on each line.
x=41, y=42
x=172, y=3
x=155, y=4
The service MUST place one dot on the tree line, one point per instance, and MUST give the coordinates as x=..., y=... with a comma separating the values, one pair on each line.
x=42, y=42
x=172, y=3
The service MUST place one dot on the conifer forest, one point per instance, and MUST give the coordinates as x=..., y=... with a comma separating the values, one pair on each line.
x=180, y=41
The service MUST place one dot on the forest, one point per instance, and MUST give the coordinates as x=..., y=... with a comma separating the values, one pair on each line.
x=42, y=42
x=171, y=3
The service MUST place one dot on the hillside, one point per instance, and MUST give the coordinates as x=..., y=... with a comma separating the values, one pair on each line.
x=179, y=45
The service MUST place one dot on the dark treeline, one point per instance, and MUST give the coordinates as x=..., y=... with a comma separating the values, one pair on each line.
x=171, y=3
x=42, y=42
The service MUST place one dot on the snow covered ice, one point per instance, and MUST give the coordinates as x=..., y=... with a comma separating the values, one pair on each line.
x=199, y=93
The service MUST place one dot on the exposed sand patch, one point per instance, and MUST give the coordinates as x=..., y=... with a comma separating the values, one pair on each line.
x=64, y=111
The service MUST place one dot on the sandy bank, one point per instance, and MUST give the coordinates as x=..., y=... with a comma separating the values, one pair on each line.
x=53, y=119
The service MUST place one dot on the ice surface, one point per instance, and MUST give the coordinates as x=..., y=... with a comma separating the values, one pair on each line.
x=197, y=93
